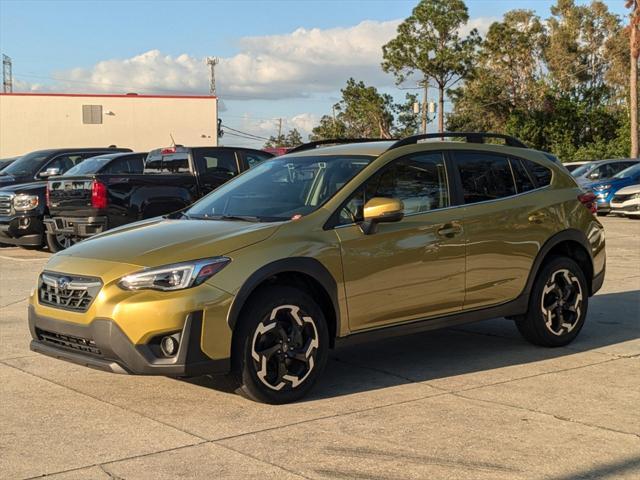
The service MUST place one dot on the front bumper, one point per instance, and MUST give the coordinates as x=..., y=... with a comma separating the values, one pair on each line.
x=629, y=208
x=102, y=345
x=76, y=227
x=23, y=230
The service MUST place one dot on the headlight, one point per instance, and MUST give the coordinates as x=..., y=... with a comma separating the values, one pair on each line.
x=23, y=202
x=177, y=276
x=602, y=187
x=635, y=196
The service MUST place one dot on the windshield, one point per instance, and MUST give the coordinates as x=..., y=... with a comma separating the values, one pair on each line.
x=580, y=171
x=628, y=172
x=27, y=165
x=90, y=165
x=281, y=188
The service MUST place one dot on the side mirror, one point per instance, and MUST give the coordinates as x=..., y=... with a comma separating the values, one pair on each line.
x=381, y=210
x=50, y=172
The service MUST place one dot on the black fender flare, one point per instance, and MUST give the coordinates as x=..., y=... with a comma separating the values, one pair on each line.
x=563, y=236
x=306, y=265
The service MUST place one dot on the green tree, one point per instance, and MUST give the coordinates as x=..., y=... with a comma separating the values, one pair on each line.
x=407, y=122
x=291, y=139
x=429, y=44
x=362, y=112
x=559, y=88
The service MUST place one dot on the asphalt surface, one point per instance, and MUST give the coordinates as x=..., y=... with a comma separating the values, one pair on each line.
x=474, y=402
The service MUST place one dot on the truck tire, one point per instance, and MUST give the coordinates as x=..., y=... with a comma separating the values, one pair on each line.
x=57, y=243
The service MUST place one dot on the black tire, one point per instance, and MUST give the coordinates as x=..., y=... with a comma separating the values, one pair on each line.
x=55, y=245
x=602, y=214
x=560, y=285
x=262, y=353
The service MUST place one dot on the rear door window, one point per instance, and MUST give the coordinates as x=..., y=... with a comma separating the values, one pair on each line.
x=484, y=176
x=217, y=162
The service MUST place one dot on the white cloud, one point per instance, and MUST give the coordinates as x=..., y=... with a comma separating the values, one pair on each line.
x=291, y=65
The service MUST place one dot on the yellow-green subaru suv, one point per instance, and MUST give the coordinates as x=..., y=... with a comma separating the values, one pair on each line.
x=262, y=276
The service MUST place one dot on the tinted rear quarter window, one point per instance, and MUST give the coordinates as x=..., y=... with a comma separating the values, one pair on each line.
x=524, y=182
x=484, y=176
x=541, y=174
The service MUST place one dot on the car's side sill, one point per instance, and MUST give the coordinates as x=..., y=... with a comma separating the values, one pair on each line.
x=509, y=309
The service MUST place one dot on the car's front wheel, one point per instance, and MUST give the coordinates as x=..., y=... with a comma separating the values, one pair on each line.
x=558, y=304
x=283, y=345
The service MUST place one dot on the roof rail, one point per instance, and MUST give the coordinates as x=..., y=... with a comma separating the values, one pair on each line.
x=471, y=137
x=335, y=141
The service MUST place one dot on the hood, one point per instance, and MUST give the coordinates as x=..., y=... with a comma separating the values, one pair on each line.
x=32, y=187
x=7, y=180
x=162, y=241
x=630, y=190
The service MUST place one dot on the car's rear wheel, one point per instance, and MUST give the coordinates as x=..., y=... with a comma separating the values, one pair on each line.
x=558, y=304
x=283, y=345
x=57, y=243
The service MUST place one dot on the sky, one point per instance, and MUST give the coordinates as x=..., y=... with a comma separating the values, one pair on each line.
x=278, y=59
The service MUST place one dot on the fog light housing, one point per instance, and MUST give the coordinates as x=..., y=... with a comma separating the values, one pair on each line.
x=169, y=346
x=24, y=223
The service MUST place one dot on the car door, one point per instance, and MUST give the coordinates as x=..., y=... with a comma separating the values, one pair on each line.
x=506, y=220
x=215, y=167
x=410, y=269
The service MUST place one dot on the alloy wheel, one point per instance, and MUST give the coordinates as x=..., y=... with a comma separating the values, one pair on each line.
x=562, y=300
x=284, y=347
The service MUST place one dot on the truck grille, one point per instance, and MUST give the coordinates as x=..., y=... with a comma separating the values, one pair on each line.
x=5, y=204
x=68, y=341
x=67, y=292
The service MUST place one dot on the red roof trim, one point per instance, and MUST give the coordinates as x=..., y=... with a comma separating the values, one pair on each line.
x=103, y=95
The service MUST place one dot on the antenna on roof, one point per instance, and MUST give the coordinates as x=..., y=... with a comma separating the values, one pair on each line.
x=173, y=142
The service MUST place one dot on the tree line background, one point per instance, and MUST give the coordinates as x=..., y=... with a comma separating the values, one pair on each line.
x=565, y=84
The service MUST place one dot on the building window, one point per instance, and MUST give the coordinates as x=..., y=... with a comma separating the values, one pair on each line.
x=91, y=114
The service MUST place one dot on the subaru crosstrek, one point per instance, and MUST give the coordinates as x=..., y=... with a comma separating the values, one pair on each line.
x=327, y=243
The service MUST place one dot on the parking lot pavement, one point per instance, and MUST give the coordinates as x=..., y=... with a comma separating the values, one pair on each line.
x=471, y=402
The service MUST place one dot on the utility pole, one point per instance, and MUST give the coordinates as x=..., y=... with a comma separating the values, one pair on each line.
x=7, y=77
x=423, y=126
x=212, y=62
x=634, y=50
x=279, y=128
x=335, y=130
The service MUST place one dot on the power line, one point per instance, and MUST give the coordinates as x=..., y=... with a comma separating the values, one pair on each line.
x=257, y=137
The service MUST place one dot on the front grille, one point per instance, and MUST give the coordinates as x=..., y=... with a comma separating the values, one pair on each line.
x=76, y=343
x=5, y=204
x=67, y=292
x=622, y=198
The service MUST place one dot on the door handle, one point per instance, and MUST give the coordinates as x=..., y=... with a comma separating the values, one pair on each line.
x=537, y=217
x=449, y=230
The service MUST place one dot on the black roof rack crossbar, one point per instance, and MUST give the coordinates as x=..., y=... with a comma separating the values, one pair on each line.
x=336, y=141
x=471, y=137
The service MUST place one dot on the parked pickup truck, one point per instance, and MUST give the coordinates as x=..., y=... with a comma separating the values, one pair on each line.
x=23, y=186
x=83, y=205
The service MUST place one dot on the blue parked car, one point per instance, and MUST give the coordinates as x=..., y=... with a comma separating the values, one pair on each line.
x=606, y=189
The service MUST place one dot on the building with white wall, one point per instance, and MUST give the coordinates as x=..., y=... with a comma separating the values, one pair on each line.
x=35, y=121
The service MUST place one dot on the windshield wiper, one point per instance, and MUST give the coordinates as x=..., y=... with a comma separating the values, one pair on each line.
x=243, y=218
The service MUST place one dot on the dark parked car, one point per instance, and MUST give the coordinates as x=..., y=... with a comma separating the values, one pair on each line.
x=23, y=187
x=84, y=205
x=601, y=170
